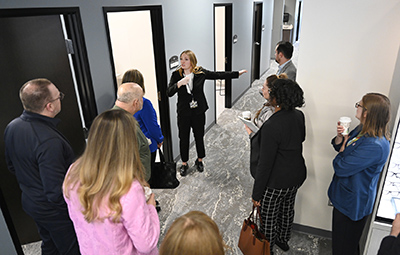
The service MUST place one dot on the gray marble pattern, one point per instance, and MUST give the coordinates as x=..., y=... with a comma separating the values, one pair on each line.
x=223, y=190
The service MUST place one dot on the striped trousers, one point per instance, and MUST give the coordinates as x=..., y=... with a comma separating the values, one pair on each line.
x=277, y=214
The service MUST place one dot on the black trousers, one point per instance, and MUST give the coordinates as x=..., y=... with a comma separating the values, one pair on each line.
x=152, y=165
x=196, y=122
x=346, y=234
x=58, y=235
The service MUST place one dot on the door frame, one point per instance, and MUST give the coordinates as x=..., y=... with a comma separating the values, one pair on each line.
x=228, y=51
x=160, y=67
x=256, y=40
x=80, y=60
x=73, y=24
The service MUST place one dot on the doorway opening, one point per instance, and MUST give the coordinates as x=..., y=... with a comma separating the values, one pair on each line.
x=297, y=21
x=125, y=25
x=256, y=51
x=223, y=55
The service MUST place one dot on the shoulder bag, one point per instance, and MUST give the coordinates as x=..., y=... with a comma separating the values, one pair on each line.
x=251, y=240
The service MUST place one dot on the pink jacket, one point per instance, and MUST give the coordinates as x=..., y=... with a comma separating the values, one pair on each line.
x=137, y=233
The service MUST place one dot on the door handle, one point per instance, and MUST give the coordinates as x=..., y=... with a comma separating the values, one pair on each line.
x=257, y=43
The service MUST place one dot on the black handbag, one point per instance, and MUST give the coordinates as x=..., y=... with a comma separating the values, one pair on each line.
x=163, y=176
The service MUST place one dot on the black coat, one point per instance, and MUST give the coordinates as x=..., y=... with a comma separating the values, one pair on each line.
x=276, y=158
x=184, y=98
x=39, y=155
x=390, y=245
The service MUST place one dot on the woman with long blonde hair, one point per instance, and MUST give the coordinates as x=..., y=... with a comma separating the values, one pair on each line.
x=104, y=191
x=188, y=81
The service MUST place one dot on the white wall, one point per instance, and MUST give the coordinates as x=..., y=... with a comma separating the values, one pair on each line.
x=348, y=48
x=277, y=24
x=132, y=46
x=266, y=35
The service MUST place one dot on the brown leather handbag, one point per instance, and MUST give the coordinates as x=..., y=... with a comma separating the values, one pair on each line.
x=251, y=240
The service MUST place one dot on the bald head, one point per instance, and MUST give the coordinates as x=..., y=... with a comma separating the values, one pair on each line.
x=130, y=97
x=34, y=94
x=129, y=91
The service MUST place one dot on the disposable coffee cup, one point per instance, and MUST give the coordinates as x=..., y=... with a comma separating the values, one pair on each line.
x=246, y=115
x=147, y=192
x=345, y=122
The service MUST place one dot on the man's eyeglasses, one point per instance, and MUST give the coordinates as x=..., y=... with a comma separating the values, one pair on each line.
x=61, y=97
x=358, y=105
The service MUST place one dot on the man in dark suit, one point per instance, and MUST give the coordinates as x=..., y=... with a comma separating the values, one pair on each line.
x=39, y=156
x=283, y=56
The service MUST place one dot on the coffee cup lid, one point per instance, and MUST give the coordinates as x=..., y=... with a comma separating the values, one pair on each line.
x=345, y=119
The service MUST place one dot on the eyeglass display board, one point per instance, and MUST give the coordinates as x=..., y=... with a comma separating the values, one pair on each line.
x=389, y=190
x=390, y=194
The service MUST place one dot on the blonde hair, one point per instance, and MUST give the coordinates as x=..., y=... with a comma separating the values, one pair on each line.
x=193, y=61
x=108, y=166
x=193, y=234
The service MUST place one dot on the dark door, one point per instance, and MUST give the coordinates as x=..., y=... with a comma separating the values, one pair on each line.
x=223, y=88
x=257, y=26
x=33, y=47
x=228, y=54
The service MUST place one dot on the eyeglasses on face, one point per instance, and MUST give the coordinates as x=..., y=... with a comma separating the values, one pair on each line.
x=61, y=97
x=359, y=105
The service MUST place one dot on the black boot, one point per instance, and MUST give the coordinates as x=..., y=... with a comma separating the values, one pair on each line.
x=183, y=169
x=199, y=165
x=158, y=207
x=284, y=246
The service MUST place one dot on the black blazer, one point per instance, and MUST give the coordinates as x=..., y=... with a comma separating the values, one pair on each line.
x=390, y=245
x=184, y=98
x=276, y=157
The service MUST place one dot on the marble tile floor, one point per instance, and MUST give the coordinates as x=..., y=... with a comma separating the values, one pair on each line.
x=223, y=190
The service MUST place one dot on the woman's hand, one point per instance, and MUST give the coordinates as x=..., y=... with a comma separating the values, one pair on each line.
x=256, y=203
x=159, y=145
x=183, y=81
x=242, y=72
x=346, y=137
x=152, y=200
x=248, y=129
x=339, y=131
x=396, y=226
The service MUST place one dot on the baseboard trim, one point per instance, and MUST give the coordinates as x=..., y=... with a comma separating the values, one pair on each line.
x=313, y=231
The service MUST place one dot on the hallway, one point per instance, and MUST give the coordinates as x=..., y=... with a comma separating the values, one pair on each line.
x=223, y=190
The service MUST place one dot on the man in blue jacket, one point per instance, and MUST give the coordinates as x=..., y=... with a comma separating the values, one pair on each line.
x=39, y=156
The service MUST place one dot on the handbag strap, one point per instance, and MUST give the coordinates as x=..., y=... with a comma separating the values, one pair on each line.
x=162, y=159
x=258, y=214
x=251, y=216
